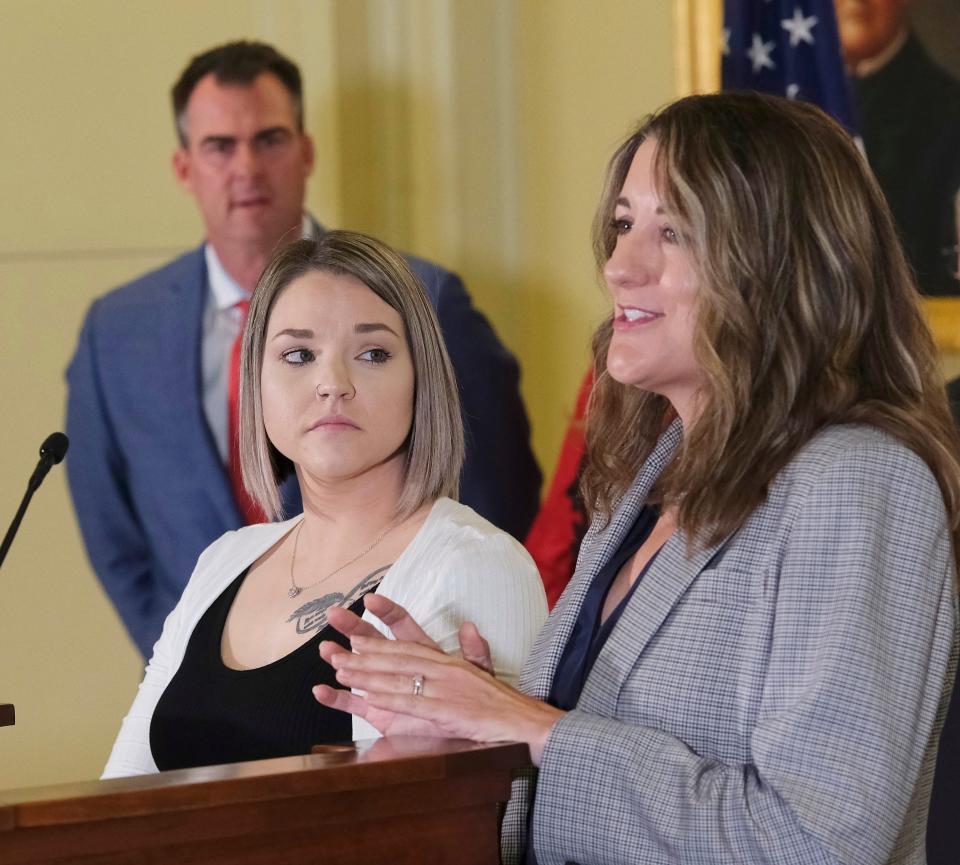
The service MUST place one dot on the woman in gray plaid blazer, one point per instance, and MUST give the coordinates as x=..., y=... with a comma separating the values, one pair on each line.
x=752, y=661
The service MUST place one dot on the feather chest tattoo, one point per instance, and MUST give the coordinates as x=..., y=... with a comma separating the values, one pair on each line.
x=312, y=616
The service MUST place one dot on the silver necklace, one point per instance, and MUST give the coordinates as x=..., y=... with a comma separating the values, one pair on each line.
x=295, y=590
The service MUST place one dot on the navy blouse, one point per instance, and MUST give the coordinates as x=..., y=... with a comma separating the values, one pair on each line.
x=589, y=634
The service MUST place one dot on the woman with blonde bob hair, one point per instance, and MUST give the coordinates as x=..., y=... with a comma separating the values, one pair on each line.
x=753, y=660
x=433, y=455
x=346, y=382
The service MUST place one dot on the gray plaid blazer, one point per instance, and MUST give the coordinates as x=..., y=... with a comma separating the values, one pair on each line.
x=776, y=697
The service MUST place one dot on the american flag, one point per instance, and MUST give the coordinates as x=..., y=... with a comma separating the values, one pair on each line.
x=787, y=47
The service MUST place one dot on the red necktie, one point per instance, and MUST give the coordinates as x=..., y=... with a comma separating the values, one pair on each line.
x=249, y=509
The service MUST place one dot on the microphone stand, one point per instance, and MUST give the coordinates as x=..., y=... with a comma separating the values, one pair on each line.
x=15, y=525
x=52, y=451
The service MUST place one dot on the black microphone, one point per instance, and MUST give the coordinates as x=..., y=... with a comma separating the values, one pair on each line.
x=52, y=451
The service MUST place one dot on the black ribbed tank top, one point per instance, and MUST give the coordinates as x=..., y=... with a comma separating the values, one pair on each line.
x=210, y=713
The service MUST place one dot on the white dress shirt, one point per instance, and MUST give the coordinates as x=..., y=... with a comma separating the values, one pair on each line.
x=221, y=324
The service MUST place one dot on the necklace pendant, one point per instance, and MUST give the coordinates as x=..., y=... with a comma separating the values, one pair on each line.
x=293, y=591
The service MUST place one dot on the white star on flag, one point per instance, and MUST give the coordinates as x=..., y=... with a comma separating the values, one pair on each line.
x=787, y=47
x=799, y=28
x=759, y=54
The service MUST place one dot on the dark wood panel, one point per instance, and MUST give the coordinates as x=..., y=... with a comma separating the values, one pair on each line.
x=390, y=801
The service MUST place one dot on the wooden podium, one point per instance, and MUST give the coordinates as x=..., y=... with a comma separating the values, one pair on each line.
x=399, y=800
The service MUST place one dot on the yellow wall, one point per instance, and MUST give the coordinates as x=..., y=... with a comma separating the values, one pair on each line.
x=472, y=132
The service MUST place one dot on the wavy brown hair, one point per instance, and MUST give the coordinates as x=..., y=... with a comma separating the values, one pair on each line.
x=808, y=314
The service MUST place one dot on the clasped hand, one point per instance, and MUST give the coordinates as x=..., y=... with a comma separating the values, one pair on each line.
x=460, y=697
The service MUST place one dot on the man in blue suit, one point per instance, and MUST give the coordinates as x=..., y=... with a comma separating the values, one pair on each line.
x=147, y=410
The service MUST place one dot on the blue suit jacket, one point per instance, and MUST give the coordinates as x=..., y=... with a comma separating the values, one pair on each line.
x=147, y=482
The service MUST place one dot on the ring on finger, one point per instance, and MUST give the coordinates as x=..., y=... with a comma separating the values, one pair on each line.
x=418, y=686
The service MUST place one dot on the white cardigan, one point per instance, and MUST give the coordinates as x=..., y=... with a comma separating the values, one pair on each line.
x=457, y=568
